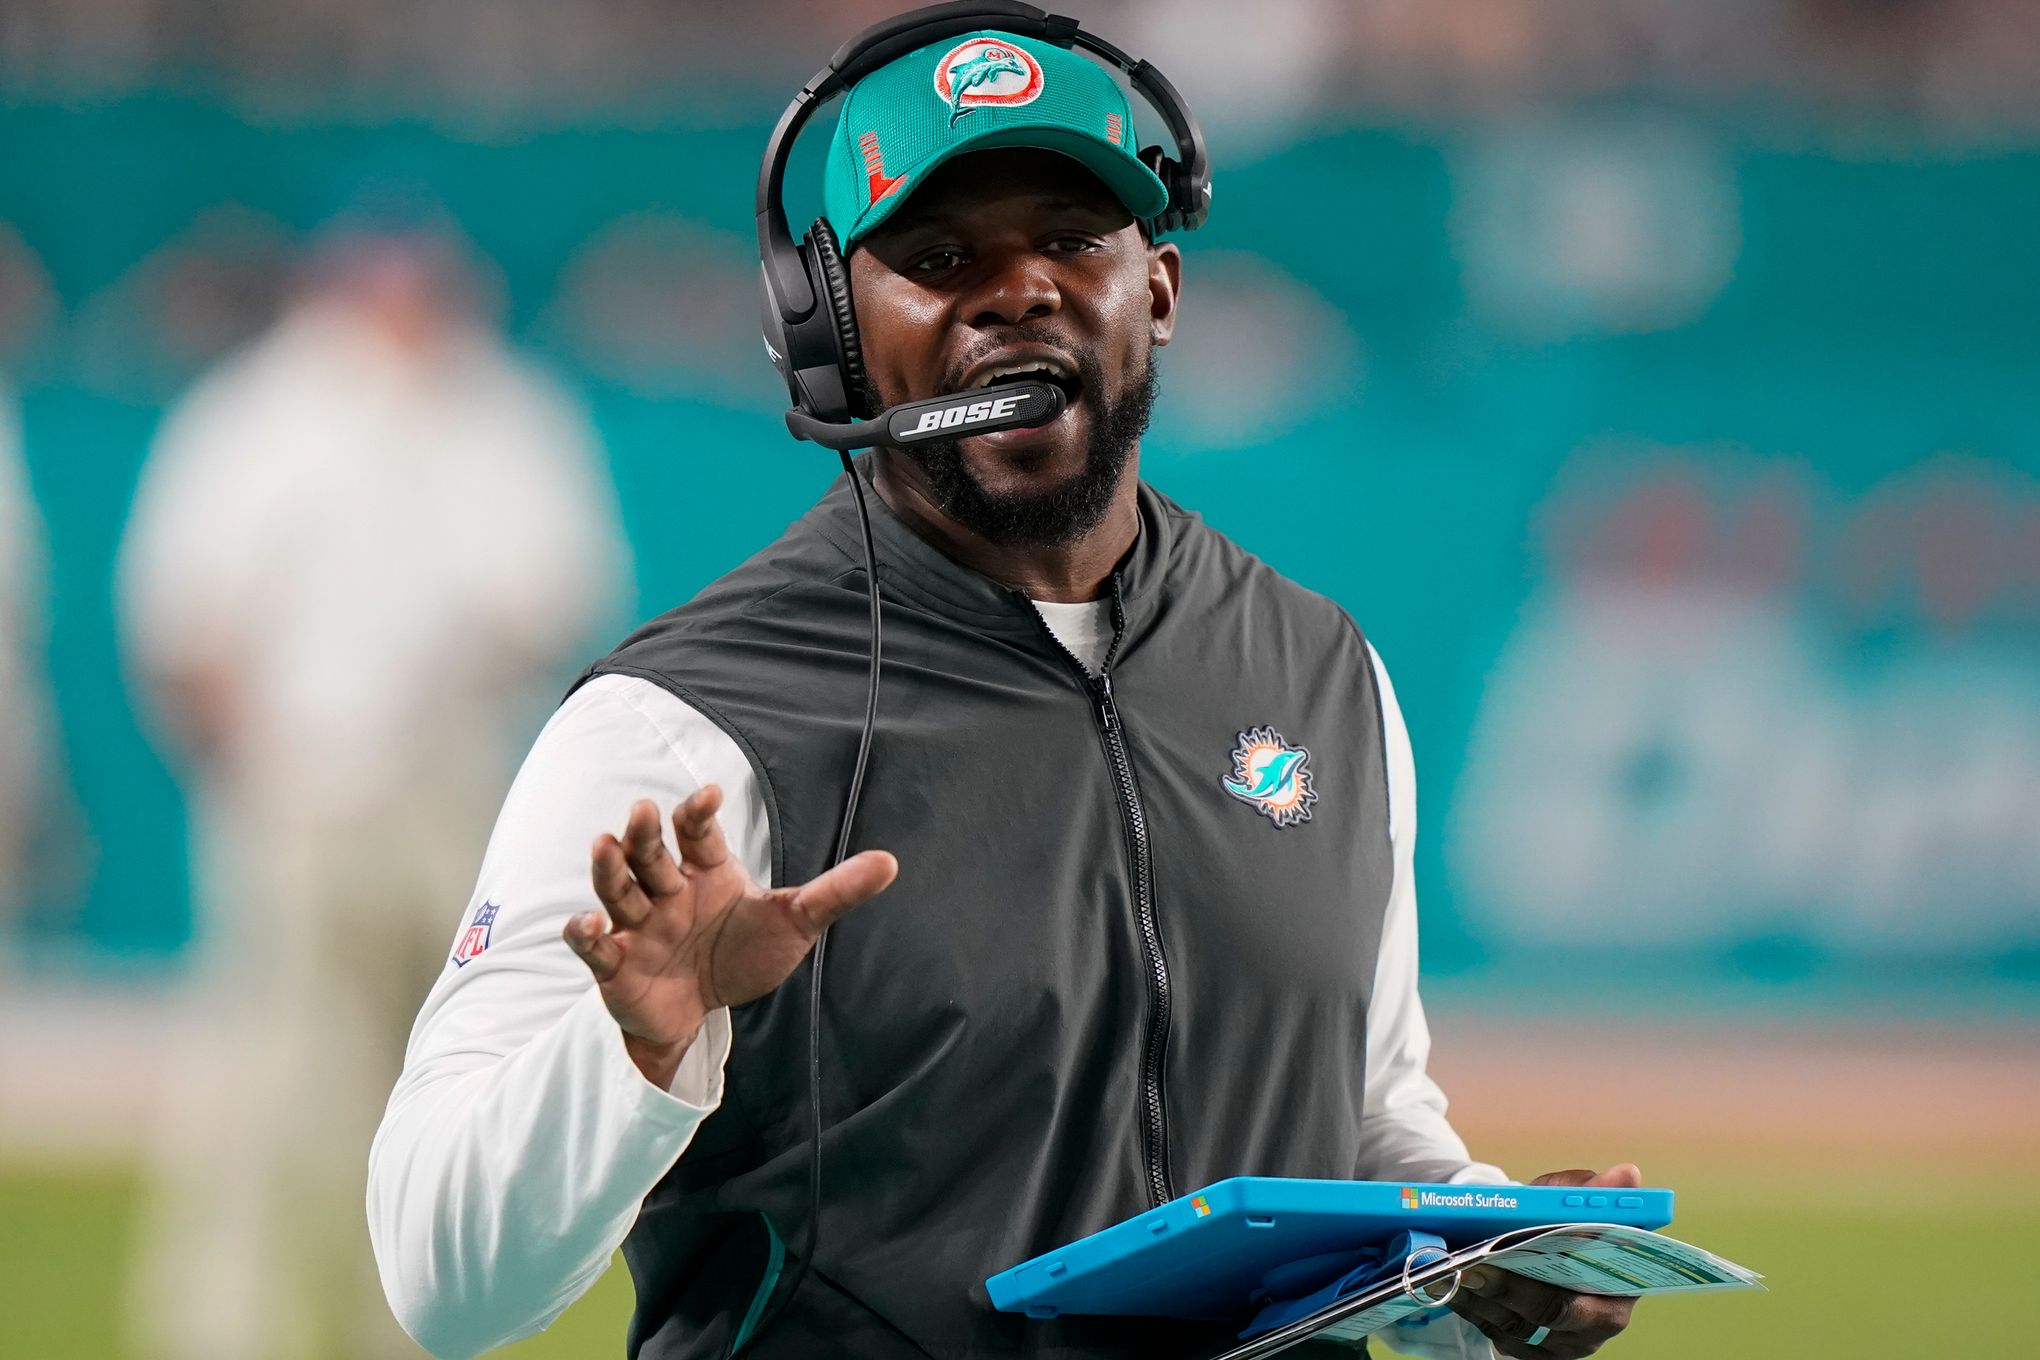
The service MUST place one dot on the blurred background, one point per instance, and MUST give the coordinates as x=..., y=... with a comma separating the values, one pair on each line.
x=1653, y=381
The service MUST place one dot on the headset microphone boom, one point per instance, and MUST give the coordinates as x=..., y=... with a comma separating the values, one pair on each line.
x=981, y=410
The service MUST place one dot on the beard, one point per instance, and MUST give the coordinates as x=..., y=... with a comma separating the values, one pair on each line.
x=1056, y=515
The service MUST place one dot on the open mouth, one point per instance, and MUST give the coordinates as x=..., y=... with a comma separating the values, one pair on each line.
x=1052, y=372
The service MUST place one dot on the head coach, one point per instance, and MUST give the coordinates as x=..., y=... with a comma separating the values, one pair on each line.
x=1141, y=810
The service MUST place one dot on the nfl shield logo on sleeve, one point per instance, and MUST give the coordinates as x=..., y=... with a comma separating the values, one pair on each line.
x=475, y=938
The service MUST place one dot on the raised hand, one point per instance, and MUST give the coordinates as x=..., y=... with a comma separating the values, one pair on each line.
x=680, y=939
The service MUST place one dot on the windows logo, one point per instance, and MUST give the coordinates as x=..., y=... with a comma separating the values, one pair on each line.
x=1409, y=1197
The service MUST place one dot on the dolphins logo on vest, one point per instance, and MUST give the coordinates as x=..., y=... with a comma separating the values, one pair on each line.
x=1272, y=775
x=986, y=73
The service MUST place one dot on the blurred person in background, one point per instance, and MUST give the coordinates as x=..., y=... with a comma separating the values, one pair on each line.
x=359, y=556
x=23, y=701
x=40, y=854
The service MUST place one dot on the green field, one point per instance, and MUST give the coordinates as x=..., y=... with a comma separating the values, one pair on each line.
x=1854, y=1267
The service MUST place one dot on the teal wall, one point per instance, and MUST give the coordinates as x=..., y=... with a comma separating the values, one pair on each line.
x=1810, y=394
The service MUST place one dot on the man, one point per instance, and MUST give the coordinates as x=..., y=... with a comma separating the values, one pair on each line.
x=361, y=556
x=25, y=780
x=1142, y=811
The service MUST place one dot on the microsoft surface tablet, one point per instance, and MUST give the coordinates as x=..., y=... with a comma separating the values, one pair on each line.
x=1207, y=1254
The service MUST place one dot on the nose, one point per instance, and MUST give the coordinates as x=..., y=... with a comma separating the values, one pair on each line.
x=1020, y=286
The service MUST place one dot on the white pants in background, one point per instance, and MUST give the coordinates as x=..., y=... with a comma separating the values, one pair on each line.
x=326, y=932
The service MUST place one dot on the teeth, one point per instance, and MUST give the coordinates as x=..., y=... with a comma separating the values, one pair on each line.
x=998, y=371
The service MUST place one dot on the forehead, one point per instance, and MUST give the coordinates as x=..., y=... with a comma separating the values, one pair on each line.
x=1002, y=183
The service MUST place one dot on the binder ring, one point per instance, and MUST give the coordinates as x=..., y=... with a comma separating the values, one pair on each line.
x=1416, y=1292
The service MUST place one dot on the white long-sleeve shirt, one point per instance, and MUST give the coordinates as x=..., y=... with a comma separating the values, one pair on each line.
x=521, y=1139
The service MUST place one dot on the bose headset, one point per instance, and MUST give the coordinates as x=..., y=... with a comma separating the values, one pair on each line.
x=811, y=333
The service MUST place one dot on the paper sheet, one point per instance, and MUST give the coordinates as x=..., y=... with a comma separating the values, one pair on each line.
x=1589, y=1258
x=1623, y=1261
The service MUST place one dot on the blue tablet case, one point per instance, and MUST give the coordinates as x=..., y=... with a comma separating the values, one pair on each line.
x=1213, y=1254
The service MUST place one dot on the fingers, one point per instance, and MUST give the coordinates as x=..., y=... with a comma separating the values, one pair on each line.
x=616, y=887
x=1510, y=1309
x=697, y=830
x=1623, y=1175
x=588, y=936
x=645, y=848
x=1511, y=1334
x=1536, y=1303
x=629, y=873
x=827, y=896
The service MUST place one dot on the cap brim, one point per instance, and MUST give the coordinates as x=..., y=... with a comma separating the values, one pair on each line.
x=1134, y=184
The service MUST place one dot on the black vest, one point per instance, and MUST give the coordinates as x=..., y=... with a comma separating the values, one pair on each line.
x=1102, y=978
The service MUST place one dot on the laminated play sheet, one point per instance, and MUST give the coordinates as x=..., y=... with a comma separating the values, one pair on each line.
x=1588, y=1258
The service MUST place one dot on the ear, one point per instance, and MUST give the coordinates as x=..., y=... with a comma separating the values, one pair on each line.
x=1165, y=277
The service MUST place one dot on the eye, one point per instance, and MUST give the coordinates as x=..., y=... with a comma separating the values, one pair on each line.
x=936, y=261
x=1070, y=243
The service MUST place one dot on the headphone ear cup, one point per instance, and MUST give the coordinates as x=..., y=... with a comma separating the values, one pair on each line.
x=835, y=290
x=1170, y=173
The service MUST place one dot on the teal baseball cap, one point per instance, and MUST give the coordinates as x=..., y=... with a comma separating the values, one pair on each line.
x=982, y=90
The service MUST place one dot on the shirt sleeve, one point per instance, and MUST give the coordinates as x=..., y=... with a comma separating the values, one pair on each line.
x=520, y=1140
x=182, y=569
x=1404, y=1132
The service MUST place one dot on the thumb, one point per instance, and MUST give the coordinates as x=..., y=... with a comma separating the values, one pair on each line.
x=1622, y=1175
x=830, y=895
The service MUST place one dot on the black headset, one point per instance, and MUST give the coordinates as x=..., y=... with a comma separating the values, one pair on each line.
x=811, y=334
x=809, y=322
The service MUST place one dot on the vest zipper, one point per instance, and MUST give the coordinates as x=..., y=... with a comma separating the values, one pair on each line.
x=1154, y=1122
x=1155, y=1129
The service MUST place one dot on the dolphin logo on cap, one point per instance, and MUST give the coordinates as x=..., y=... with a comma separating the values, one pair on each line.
x=984, y=71
x=981, y=69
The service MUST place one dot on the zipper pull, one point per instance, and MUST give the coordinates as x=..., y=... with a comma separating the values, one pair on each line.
x=1106, y=713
